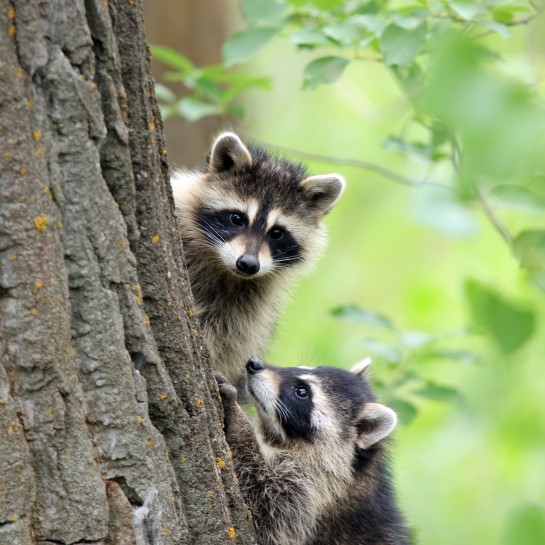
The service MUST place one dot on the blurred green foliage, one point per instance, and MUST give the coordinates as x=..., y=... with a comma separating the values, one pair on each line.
x=434, y=111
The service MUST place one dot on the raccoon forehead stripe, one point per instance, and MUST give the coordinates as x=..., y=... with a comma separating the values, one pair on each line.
x=224, y=202
x=311, y=379
x=272, y=218
x=233, y=202
x=251, y=208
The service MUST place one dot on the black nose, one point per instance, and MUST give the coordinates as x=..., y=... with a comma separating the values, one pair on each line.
x=248, y=264
x=254, y=365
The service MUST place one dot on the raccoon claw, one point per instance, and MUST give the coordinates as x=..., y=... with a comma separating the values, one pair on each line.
x=220, y=379
x=228, y=393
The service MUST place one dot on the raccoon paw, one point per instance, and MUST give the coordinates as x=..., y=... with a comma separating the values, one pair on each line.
x=227, y=391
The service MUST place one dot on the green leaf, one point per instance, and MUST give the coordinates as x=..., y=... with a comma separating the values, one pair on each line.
x=166, y=111
x=468, y=10
x=525, y=526
x=440, y=209
x=438, y=392
x=309, y=36
x=384, y=350
x=262, y=11
x=405, y=410
x=353, y=313
x=510, y=326
x=518, y=197
x=345, y=33
x=245, y=44
x=538, y=279
x=162, y=92
x=207, y=87
x=505, y=13
x=499, y=28
x=406, y=378
x=323, y=70
x=529, y=249
x=241, y=83
x=411, y=79
x=462, y=356
x=373, y=23
x=172, y=58
x=415, y=339
x=193, y=109
x=400, y=46
x=408, y=22
x=414, y=149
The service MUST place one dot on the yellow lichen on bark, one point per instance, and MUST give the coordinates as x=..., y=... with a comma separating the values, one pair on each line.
x=40, y=223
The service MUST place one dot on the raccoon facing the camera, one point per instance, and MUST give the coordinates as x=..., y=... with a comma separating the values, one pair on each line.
x=251, y=223
x=316, y=472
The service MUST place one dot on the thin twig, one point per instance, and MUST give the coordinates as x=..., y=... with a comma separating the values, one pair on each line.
x=494, y=220
x=358, y=163
x=518, y=22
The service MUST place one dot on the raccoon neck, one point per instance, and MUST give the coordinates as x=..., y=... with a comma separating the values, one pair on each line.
x=327, y=470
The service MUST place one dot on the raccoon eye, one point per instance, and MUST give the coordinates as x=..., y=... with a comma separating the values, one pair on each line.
x=277, y=233
x=301, y=392
x=237, y=219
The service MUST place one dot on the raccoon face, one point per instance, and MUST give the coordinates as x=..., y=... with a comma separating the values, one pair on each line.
x=318, y=406
x=250, y=241
x=259, y=213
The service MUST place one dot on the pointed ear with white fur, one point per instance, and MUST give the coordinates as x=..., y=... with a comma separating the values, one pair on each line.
x=360, y=368
x=323, y=190
x=228, y=152
x=375, y=422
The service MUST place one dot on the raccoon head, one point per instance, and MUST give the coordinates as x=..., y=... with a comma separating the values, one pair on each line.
x=259, y=213
x=322, y=406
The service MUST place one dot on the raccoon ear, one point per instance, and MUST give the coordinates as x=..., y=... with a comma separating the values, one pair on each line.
x=323, y=190
x=228, y=152
x=360, y=369
x=375, y=422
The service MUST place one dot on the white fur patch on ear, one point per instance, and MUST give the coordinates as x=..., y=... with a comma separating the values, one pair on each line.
x=324, y=190
x=359, y=368
x=375, y=422
x=228, y=152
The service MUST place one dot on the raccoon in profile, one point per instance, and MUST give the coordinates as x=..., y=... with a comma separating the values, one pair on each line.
x=251, y=224
x=316, y=471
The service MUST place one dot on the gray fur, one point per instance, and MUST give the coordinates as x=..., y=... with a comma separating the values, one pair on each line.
x=238, y=313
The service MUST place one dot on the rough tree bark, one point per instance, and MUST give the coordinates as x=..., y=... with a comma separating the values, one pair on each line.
x=109, y=417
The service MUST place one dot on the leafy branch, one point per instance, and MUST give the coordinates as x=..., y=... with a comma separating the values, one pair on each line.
x=484, y=129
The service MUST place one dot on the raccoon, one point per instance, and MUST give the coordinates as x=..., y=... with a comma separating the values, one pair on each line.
x=316, y=472
x=251, y=224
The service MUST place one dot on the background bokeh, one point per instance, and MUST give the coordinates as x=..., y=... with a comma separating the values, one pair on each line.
x=470, y=458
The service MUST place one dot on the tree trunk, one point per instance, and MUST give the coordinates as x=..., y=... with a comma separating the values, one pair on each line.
x=109, y=416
